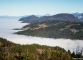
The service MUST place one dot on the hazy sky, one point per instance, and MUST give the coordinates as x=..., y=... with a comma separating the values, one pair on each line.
x=39, y=7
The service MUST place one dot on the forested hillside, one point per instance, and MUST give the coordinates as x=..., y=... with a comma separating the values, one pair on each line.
x=12, y=51
x=54, y=29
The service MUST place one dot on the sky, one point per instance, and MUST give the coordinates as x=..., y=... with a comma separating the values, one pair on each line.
x=39, y=7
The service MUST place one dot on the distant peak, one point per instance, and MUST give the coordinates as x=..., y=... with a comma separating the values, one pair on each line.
x=77, y=12
x=47, y=14
x=32, y=15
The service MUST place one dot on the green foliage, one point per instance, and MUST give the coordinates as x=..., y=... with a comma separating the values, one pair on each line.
x=77, y=27
x=12, y=51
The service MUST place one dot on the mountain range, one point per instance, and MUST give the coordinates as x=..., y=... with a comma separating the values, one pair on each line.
x=75, y=17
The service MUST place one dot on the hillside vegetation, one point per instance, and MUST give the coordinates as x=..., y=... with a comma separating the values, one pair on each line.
x=54, y=29
x=12, y=51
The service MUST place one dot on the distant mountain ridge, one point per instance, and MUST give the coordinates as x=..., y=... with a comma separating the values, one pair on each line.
x=79, y=16
x=61, y=17
x=30, y=19
x=65, y=17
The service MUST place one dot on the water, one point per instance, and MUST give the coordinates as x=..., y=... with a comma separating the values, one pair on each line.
x=7, y=24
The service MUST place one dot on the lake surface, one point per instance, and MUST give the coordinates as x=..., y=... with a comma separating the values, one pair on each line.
x=6, y=31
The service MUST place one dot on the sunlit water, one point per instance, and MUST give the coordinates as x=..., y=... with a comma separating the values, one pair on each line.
x=6, y=26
